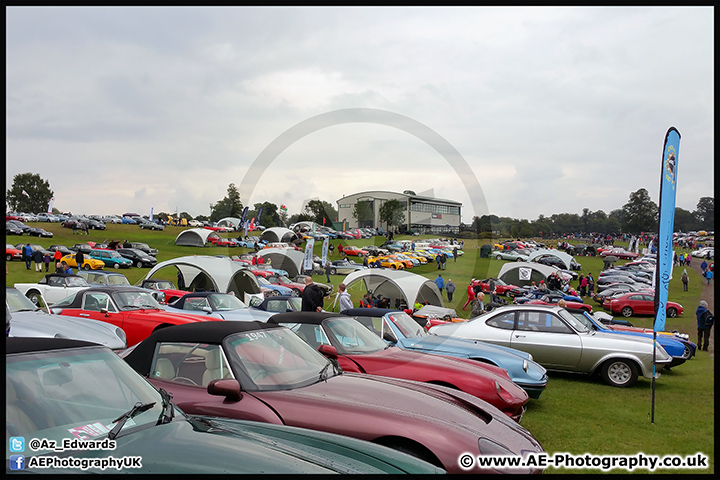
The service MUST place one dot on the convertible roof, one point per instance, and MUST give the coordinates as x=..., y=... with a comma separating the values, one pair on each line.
x=39, y=344
x=396, y=285
x=368, y=312
x=205, y=272
x=566, y=258
x=193, y=237
x=314, y=318
x=141, y=355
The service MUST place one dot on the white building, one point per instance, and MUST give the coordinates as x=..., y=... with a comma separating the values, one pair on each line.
x=424, y=215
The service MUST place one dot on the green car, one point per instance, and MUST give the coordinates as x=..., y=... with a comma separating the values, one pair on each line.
x=76, y=407
x=111, y=258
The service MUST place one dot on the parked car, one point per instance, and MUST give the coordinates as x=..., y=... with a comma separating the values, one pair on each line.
x=12, y=229
x=53, y=287
x=46, y=217
x=112, y=219
x=138, y=257
x=619, y=289
x=110, y=258
x=639, y=303
x=129, y=220
x=280, y=304
x=354, y=251
x=296, y=287
x=359, y=350
x=400, y=330
x=85, y=248
x=62, y=248
x=86, y=392
x=89, y=263
x=148, y=225
x=195, y=223
x=270, y=289
x=345, y=267
x=224, y=306
x=264, y=372
x=620, y=253
x=327, y=288
x=385, y=262
x=558, y=341
x=134, y=309
x=511, y=255
x=553, y=299
x=145, y=248
x=168, y=288
x=103, y=278
x=501, y=287
x=18, y=226
x=29, y=320
x=705, y=252
x=12, y=253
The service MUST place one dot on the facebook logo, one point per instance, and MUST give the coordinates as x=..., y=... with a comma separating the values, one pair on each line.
x=17, y=444
x=17, y=462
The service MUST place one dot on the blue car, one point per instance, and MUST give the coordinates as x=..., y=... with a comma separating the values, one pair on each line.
x=111, y=258
x=400, y=330
x=678, y=348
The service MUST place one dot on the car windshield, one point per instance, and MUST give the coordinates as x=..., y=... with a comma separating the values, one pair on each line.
x=353, y=336
x=574, y=322
x=74, y=394
x=582, y=318
x=409, y=327
x=274, y=359
x=263, y=281
x=162, y=285
x=134, y=300
x=76, y=282
x=225, y=301
x=17, y=302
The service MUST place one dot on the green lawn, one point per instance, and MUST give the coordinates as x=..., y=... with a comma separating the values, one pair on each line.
x=576, y=414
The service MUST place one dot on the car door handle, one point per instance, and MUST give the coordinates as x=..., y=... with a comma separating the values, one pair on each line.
x=519, y=336
x=84, y=315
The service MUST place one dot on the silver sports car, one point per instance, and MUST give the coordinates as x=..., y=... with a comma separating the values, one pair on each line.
x=559, y=341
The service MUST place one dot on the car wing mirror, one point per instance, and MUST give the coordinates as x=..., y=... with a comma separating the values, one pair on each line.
x=328, y=351
x=389, y=337
x=207, y=310
x=228, y=388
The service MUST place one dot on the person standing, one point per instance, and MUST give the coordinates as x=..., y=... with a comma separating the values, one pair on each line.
x=478, y=307
x=685, y=280
x=591, y=284
x=437, y=259
x=85, y=227
x=312, y=297
x=46, y=261
x=443, y=259
x=57, y=255
x=37, y=257
x=703, y=266
x=345, y=300
x=79, y=259
x=327, y=270
x=440, y=283
x=705, y=320
x=708, y=275
x=450, y=289
x=471, y=293
x=455, y=251
x=27, y=255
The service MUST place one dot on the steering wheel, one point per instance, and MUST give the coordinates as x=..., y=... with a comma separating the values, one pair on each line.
x=185, y=380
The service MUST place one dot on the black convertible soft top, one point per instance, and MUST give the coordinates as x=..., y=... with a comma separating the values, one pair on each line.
x=141, y=355
x=40, y=344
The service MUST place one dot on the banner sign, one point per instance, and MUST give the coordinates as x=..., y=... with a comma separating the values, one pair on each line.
x=52, y=200
x=257, y=219
x=308, y=260
x=325, y=245
x=668, y=190
x=524, y=273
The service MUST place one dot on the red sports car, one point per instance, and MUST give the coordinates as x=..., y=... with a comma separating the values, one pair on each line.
x=639, y=303
x=619, y=252
x=12, y=253
x=131, y=308
x=354, y=251
x=501, y=287
x=357, y=349
x=263, y=372
x=171, y=292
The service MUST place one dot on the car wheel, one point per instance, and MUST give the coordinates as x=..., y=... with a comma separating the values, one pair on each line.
x=394, y=267
x=8, y=257
x=498, y=257
x=274, y=293
x=333, y=271
x=295, y=292
x=116, y=266
x=672, y=312
x=620, y=373
x=626, y=312
x=138, y=264
x=87, y=266
x=34, y=297
x=518, y=259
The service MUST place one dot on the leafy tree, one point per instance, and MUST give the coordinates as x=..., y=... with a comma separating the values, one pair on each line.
x=230, y=206
x=392, y=213
x=270, y=216
x=321, y=212
x=685, y=221
x=641, y=213
x=705, y=213
x=363, y=212
x=37, y=190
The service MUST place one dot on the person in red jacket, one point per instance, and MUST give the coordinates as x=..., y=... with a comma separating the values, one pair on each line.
x=471, y=293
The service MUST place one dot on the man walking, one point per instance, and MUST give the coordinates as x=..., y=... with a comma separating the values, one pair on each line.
x=27, y=255
x=440, y=284
x=79, y=259
x=450, y=289
x=312, y=297
x=705, y=320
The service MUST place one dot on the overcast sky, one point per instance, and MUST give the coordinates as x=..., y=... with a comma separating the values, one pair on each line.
x=553, y=109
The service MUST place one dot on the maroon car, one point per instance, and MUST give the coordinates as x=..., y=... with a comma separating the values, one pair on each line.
x=357, y=349
x=264, y=372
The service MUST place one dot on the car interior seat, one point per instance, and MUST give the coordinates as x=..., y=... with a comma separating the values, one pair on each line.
x=215, y=369
x=163, y=369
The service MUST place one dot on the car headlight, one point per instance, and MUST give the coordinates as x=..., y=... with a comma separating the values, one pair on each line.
x=121, y=334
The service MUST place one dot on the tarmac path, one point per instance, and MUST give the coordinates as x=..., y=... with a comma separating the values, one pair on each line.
x=708, y=294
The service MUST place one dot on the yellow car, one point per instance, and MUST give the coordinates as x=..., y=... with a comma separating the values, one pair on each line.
x=417, y=256
x=405, y=261
x=88, y=263
x=386, y=262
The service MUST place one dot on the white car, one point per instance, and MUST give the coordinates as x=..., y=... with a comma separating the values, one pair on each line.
x=195, y=223
x=47, y=217
x=111, y=219
x=705, y=252
x=53, y=287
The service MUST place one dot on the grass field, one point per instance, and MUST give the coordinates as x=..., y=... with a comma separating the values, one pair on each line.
x=575, y=414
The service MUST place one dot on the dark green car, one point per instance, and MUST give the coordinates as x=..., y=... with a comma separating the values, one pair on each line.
x=74, y=406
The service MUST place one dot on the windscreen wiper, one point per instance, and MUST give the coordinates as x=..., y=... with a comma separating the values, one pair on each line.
x=168, y=412
x=135, y=410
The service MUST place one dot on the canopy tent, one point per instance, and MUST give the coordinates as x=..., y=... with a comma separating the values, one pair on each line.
x=399, y=286
x=485, y=251
x=208, y=273
x=564, y=257
x=523, y=273
x=287, y=259
x=194, y=237
x=277, y=234
x=232, y=222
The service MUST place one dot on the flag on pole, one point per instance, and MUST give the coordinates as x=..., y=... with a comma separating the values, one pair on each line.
x=325, y=245
x=258, y=215
x=26, y=193
x=50, y=205
x=151, y=213
x=244, y=214
x=668, y=190
x=308, y=259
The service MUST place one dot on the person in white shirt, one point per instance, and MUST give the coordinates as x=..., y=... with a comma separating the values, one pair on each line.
x=345, y=300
